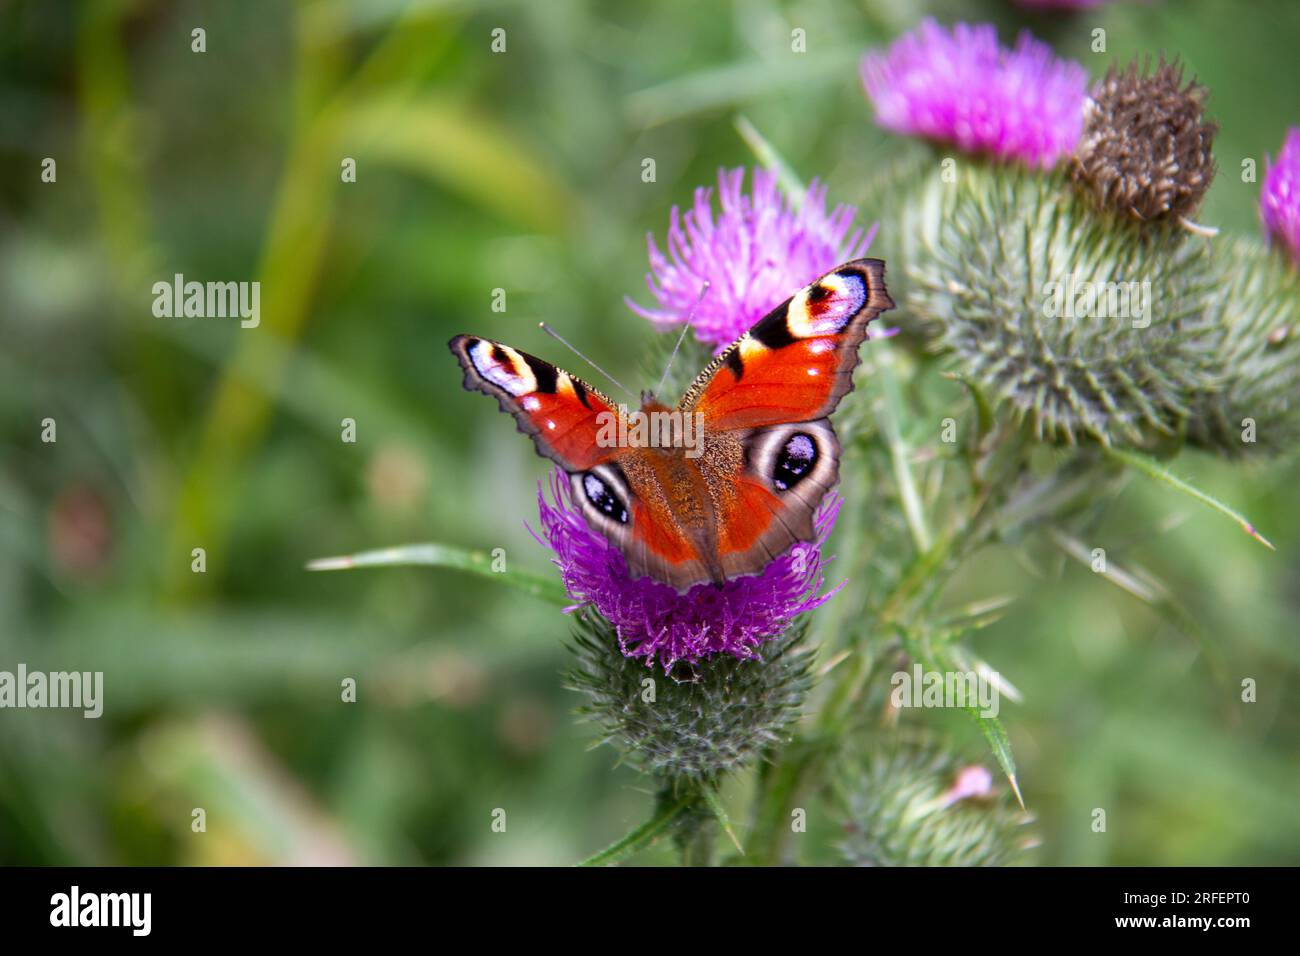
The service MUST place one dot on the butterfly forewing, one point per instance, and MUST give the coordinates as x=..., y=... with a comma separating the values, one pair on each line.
x=797, y=362
x=562, y=413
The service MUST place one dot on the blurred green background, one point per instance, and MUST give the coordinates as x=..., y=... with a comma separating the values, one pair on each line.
x=478, y=170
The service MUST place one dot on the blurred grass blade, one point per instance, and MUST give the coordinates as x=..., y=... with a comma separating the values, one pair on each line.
x=1152, y=592
x=1160, y=473
x=964, y=661
x=445, y=556
x=257, y=810
x=977, y=615
x=766, y=154
x=746, y=81
x=642, y=836
x=458, y=147
x=1149, y=593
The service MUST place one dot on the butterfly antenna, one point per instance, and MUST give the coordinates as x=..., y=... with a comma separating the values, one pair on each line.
x=559, y=338
x=682, y=338
x=669, y=367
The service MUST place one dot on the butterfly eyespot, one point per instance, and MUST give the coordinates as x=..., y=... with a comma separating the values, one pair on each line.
x=795, y=460
x=603, y=499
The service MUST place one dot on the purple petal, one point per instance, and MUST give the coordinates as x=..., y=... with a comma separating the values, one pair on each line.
x=653, y=620
x=959, y=86
x=1279, y=198
x=754, y=254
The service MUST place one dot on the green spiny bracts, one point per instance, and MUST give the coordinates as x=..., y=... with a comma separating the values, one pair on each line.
x=890, y=194
x=909, y=802
x=1256, y=309
x=696, y=731
x=1084, y=329
x=1146, y=152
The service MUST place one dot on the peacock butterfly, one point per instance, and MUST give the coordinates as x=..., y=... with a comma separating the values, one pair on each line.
x=745, y=489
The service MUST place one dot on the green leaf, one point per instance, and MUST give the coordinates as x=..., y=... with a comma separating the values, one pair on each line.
x=446, y=556
x=642, y=836
x=944, y=659
x=1154, y=470
x=1000, y=744
x=891, y=414
x=715, y=804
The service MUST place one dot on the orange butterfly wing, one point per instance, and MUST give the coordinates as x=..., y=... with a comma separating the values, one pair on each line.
x=772, y=391
x=566, y=418
x=797, y=362
x=769, y=453
x=561, y=413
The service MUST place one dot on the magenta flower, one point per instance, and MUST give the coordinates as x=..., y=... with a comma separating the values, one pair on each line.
x=1279, y=198
x=755, y=255
x=653, y=620
x=961, y=87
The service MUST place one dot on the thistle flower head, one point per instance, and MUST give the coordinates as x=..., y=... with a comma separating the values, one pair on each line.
x=1082, y=328
x=652, y=620
x=909, y=802
x=959, y=86
x=1279, y=199
x=754, y=255
x=1146, y=145
x=690, y=731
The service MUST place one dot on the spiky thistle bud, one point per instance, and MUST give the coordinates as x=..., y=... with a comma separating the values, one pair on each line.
x=908, y=802
x=1082, y=328
x=1145, y=152
x=1255, y=308
x=690, y=731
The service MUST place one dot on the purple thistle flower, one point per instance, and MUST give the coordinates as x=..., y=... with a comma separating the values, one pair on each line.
x=653, y=620
x=1279, y=197
x=754, y=256
x=961, y=87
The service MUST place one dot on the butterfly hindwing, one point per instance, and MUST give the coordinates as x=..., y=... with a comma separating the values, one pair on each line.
x=671, y=534
x=767, y=501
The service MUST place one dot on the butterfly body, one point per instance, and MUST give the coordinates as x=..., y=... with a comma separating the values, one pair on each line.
x=724, y=498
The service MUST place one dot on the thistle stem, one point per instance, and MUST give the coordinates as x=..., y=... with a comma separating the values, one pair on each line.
x=641, y=836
